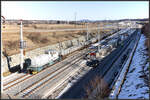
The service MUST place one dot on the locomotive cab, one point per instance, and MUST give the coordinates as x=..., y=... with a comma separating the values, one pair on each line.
x=92, y=61
x=42, y=61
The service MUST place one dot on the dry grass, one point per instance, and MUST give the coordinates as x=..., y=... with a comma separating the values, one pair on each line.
x=55, y=26
x=11, y=35
x=6, y=74
x=12, y=44
x=37, y=38
x=12, y=27
x=100, y=86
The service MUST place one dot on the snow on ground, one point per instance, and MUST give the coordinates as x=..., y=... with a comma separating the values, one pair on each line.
x=134, y=86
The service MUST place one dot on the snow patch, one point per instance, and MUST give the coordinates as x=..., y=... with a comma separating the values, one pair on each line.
x=134, y=86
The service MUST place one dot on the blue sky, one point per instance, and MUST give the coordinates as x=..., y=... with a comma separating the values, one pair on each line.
x=92, y=10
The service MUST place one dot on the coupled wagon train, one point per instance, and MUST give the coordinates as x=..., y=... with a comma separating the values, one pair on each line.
x=51, y=56
x=105, y=47
x=40, y=62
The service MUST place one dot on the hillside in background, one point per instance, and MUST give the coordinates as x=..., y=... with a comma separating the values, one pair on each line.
x=70, y=22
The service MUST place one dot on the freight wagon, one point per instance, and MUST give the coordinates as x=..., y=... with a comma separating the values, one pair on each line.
x=38, y=63
x=105, y=48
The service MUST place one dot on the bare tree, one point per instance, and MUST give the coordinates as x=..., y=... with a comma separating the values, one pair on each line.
x=97, y=88
x=54, y=34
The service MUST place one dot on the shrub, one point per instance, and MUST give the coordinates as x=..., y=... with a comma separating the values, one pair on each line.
x=26, y=25
x=98, y=85
x=12, y=44
x=37, y=38
x=54, y=34
x=146, y=31
x=35, y=27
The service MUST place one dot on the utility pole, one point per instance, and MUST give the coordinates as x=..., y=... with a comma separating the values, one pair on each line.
x=87, y=37
x=118, y=25
x=126, y=26
x=21, y=50
x=21, y=46
x=98, y=37
x=130, y=24
x=107, y=20
x=105, y=23
x=60, y=49
x=75, y=14
x=2, y=21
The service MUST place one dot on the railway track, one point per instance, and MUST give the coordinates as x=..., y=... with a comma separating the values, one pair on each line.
x=54, y=69
x=51, y=79
x=128, y=66
x=115, y=59
x=77, y=91
x=24, y=77
x=111, y=66
x=6, y=83
x=15, y=82
x=130, y=42
x=70, y=78
x=11, y=87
